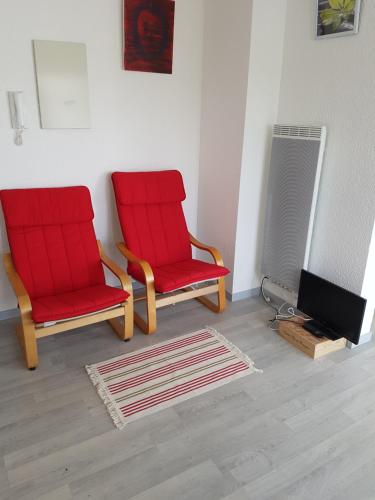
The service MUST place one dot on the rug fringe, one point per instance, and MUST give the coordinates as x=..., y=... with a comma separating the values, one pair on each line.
x=244, y=357
x=103, y=393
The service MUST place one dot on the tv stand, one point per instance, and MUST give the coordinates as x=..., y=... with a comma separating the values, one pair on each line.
x=294, y=332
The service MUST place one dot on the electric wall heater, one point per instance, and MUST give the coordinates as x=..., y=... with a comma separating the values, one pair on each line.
x=296, y=163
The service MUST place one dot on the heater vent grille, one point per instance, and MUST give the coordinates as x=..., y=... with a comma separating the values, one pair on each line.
x=296, y=160
x=298, y=132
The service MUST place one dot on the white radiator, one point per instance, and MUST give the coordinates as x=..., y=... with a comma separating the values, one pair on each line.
x=296, y=163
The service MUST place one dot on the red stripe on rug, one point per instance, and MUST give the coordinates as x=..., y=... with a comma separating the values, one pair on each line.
x=177, y=388
x=185, y=391
x=160, y=372
x=173, y=392
x=153, y=352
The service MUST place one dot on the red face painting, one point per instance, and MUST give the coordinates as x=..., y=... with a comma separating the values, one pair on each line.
x=149, y=28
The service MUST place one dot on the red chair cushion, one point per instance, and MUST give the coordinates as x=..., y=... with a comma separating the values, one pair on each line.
x=52, y=239
x=180, y=274
x=76, y=303
x=151, y=216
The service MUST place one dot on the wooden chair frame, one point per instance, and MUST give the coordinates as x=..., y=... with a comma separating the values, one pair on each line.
x=154, y=302
x=28, y=332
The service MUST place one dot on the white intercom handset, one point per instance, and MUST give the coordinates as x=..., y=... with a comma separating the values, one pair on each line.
x=17, y=114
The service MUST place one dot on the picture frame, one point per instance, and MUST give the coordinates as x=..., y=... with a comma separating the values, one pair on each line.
x=148, y=35
x=336, y=18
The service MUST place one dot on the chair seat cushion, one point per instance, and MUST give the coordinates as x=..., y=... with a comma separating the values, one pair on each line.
x=171, y=277
x=76, y=303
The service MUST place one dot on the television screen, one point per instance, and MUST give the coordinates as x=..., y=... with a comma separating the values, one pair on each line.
x=331, y=306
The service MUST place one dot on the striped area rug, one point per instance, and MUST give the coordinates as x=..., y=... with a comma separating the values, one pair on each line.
x=162, y=375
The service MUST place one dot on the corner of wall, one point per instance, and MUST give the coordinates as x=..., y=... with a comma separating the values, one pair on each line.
x=263, y=92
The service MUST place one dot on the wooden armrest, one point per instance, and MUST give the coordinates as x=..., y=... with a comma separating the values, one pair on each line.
x=144, y=265
x=116, y=270
x=213, y=251
x=20, y=291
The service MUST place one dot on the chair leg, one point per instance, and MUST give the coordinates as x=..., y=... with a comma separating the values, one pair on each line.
x=148, y=327
x=129, y=318
x=124, y=330
x=221, y=299
x=26, y=336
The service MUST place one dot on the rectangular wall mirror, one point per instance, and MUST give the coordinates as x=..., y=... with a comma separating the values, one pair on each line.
x=61, y=73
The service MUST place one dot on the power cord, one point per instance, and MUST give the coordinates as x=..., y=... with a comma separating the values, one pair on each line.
x=267, y=299
x=289, y=315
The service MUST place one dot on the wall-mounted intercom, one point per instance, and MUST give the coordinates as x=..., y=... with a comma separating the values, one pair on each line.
x=17, y=114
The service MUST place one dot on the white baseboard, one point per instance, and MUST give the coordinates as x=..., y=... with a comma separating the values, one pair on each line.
x=246, y=294
x=9, y=314
x=363, y=339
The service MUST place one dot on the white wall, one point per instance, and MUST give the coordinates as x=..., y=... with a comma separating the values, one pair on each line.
x=331, y=82
x=225, y=75
x=243, y=51
x=139, y=120
x=264, y=76
x=368, y=287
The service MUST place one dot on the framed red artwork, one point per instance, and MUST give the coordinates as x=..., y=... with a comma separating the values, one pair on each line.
x=148, y=28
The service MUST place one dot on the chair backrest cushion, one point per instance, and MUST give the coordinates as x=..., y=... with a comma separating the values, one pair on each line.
x=52, y=239
x=152, y=220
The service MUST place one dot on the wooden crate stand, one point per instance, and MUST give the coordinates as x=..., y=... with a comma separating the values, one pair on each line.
x=315, y=347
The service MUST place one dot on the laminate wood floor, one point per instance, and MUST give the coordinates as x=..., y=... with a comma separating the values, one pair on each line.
x=301, y=430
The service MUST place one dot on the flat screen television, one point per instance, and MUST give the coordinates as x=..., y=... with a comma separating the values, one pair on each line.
x=338, y=311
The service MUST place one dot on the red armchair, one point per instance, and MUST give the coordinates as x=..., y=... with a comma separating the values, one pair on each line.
x=56, y=266
x=158, y=244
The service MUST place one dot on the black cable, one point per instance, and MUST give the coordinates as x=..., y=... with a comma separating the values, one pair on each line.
x=266, y=299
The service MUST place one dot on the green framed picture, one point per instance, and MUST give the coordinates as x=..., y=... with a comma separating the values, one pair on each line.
x=337, y=17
